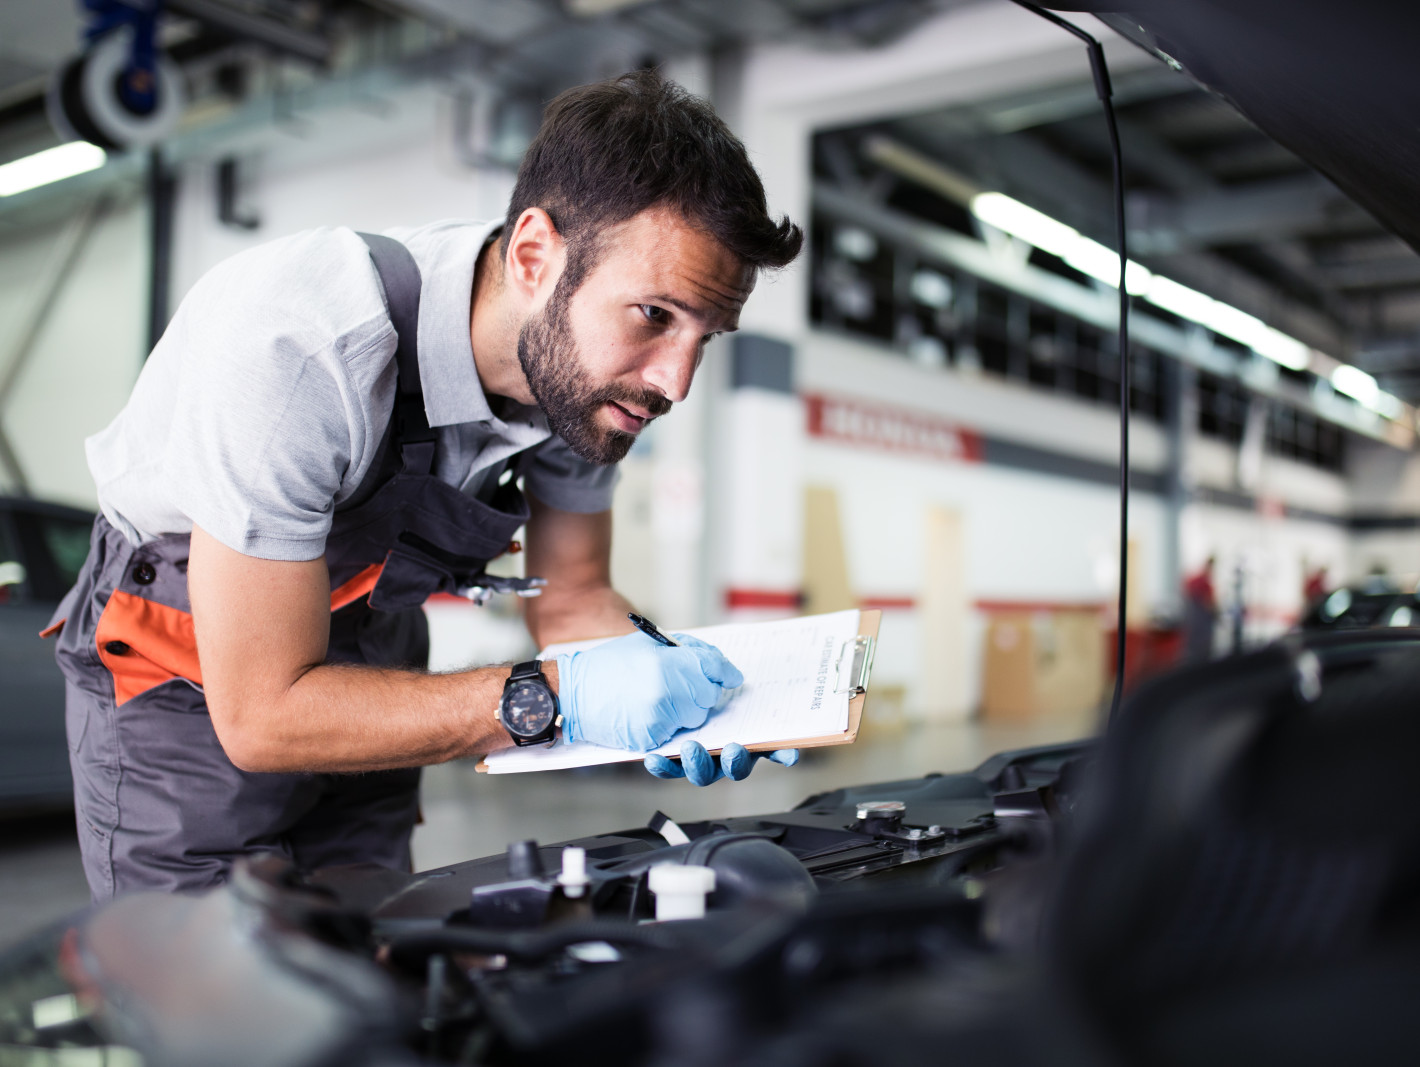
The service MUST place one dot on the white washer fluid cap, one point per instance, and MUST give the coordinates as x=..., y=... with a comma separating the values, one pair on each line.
x=573, y=879
x=680, y=890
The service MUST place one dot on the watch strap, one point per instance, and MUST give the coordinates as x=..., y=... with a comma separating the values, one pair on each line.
x=531, y=668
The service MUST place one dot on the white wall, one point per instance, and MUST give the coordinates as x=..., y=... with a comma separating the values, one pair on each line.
x=369, y=168
x=1396, y=552
x=366, y=168
x=1385, y=482
x=88, y=352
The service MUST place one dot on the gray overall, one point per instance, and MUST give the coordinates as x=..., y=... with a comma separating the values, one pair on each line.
x=158, y=804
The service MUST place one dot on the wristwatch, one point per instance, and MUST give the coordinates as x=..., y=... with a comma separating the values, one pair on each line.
x=528, y=707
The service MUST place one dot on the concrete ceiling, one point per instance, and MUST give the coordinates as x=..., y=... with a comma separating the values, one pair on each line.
x=1213, y=202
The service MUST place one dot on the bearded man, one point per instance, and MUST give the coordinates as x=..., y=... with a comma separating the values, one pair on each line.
x=337, y=425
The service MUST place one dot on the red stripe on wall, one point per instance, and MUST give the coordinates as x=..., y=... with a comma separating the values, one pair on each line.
x=887, y=603
x=788, y=599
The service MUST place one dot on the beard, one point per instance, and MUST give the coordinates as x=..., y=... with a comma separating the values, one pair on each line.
x=567, y=395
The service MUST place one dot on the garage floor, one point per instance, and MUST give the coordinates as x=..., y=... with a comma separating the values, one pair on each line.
x=469, y=814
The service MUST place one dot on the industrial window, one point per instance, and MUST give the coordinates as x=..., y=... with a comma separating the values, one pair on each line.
x=1222, y=408
x=852, y=280
x=937, y=315
x=1301, y=436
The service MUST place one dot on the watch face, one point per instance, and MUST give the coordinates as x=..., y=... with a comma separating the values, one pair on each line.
x=528, y=709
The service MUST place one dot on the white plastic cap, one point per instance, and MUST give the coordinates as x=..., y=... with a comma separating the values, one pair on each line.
x=680, y=890
x=573, y=879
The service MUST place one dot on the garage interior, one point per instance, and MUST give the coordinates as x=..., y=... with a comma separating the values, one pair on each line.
x=919, y=417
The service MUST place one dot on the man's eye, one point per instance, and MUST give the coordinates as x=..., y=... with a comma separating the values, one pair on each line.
x=655, y=314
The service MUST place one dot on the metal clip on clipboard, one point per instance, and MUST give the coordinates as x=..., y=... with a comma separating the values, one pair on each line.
x=855, y=665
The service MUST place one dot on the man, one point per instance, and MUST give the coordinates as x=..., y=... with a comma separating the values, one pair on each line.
x=331, y=430
x=1200, y=613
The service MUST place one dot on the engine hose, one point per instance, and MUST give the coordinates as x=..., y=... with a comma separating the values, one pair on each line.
x=533, y=946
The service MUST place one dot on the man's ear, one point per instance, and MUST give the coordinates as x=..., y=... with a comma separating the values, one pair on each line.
x=535, y=257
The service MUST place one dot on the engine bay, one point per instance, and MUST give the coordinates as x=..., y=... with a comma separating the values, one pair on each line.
x=1231, y=865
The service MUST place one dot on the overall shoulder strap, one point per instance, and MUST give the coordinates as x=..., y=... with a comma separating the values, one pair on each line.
x=400, y=275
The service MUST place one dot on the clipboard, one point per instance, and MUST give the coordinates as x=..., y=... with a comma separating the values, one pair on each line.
x=853, y=674
x=855, y=669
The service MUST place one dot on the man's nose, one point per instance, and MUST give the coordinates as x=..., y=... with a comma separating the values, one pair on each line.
x=672, y=369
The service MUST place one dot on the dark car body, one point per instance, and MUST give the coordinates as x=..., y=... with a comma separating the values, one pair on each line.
x=42, y=547
x=1361, y=607
x=1226, y=876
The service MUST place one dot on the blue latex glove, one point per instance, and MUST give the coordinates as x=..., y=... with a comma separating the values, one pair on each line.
x=700, y=768
x=634, y=693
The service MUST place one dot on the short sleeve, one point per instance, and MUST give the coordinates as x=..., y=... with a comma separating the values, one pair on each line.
x=561, y=479
x=283, y=351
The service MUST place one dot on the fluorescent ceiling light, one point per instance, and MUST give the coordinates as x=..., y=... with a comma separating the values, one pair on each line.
x=51, y=165
x=1050, y=235
x=1362, y=388
x=592, y=8
x=1184, y=302
x=1390, y=406
x=1020, y=220
x=1288, y=351
x=1357, y=384
x=1239, y=325
x=1095, y=260
x=1092, y=258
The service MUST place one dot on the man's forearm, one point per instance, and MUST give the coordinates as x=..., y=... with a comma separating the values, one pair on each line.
x=599, y=611
x=342, y=718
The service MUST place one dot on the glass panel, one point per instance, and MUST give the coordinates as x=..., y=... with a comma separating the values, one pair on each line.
x=68, y=544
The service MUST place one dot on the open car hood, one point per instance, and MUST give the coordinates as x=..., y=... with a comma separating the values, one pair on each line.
x=1332, y=82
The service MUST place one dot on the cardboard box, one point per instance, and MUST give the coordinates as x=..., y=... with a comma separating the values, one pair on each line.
x=1042, y=664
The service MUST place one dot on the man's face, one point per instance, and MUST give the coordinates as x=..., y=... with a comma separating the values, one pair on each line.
x=604, y=360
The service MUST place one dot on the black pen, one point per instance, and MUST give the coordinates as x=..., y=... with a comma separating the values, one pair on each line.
x=647, y=627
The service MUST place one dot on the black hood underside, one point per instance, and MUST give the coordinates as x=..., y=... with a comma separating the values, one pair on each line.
x=1335, y=83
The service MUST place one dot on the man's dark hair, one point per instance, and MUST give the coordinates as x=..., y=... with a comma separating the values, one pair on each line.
x=610, y=150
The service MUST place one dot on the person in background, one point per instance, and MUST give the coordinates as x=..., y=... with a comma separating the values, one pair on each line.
x=1200, y=613
x=1314, y=585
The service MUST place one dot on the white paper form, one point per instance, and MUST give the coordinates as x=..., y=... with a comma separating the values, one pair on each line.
x=790, y=668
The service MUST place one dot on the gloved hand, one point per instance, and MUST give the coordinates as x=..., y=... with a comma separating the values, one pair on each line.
x=701, y=768
x=634, y=692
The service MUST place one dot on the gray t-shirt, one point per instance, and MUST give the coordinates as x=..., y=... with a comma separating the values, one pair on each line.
x=263, y=406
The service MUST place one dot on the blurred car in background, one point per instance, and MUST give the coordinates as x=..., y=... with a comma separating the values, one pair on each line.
x=42, y=548
x=1360, y=607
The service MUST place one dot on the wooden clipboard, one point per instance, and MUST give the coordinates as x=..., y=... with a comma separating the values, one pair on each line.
x=868, y=623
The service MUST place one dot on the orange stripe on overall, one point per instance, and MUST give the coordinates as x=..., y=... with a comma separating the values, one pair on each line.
x=144, y=644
